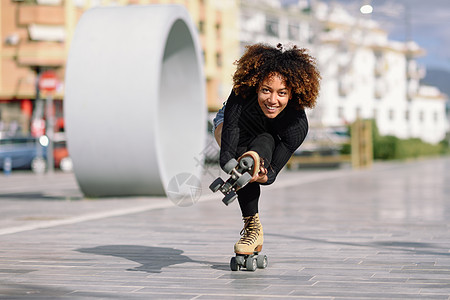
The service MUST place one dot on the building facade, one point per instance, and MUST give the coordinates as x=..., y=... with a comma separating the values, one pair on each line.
x=36, y=34
x=364, y=74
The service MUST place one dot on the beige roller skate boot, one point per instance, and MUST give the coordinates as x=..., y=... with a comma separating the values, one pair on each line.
x=248, y=247
x=252, y=239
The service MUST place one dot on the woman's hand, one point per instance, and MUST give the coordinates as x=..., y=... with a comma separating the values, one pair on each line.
x=261, y=176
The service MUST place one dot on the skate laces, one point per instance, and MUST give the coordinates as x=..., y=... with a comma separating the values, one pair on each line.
x=250, y=232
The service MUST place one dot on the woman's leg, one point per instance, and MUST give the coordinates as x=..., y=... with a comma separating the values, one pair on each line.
x=252, y=238
x=248, y=196
x=264, y=145
x=218, y=124
x=218, y=133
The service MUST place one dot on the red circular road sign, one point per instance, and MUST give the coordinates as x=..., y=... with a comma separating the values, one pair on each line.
x=48, y=81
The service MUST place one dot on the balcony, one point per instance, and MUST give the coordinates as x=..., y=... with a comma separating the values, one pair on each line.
x=41, y=54
x=415, y=71
x=412, y=89
x=381, y=67
x=40, y=14
x=345, y=85
x=381, y=88
x=46, y=33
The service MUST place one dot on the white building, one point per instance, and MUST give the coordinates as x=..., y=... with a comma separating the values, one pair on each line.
x=365, y=74
x=428, y=112
x=267, y=21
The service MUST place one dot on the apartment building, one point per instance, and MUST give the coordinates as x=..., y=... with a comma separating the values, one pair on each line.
x=36, y=34
x=364, y=74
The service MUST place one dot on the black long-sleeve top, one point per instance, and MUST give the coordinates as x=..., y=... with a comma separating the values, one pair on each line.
x=244, y=120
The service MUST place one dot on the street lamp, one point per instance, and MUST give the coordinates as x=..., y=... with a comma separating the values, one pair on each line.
x=366, y=9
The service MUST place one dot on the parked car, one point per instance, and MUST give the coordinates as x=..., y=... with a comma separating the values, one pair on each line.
x=321, y=147
x=60, y=153
x=21, y=152
x=31, y=153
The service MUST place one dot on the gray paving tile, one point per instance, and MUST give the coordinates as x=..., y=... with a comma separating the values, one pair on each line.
x=371, y=234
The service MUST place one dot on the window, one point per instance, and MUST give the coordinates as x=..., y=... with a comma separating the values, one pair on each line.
x=391, y=115
x=421, y=116
x=219, y=59
x=340, y=112
x=272, y=27
x=218, y=30
x=293, y=31
x=358, y=112
x=201, y=26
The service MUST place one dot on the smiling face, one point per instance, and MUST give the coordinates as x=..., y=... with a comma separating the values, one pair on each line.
x=273, y=95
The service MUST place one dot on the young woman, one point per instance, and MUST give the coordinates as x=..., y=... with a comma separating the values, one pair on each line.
x=265, y=113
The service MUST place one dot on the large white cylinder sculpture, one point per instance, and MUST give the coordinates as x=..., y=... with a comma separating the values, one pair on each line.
x=134, y=100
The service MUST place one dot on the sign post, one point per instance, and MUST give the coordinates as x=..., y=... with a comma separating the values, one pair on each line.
x=48, y=83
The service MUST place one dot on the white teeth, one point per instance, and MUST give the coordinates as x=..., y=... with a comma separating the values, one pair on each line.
x=270, y=107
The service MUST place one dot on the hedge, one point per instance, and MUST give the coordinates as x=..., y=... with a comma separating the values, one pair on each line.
x=391, y=147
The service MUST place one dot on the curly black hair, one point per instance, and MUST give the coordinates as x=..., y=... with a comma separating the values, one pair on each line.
x=295, y=66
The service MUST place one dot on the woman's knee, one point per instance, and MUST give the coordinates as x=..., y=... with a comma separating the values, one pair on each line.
x=264, y=145
x=267, y=139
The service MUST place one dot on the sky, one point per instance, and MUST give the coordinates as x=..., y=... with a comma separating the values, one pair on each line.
x=427, y=22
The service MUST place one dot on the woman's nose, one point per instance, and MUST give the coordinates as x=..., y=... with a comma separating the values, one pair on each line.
x=273, y=98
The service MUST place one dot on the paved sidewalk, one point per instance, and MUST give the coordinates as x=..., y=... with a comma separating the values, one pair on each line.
x=382, y=233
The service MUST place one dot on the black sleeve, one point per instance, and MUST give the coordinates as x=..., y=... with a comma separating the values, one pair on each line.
x=230, y=129
x=290, y=138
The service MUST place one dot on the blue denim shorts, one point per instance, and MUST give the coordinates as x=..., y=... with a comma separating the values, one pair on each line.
x=219, y=117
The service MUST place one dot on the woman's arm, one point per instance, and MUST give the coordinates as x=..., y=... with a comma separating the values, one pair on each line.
x=230, y=129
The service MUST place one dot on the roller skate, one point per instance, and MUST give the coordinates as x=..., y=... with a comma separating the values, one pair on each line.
x=241, y=172
x=248, y=247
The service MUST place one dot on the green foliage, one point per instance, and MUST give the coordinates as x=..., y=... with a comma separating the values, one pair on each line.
x=385, y=147
x=391, y=147
x=307, y=10
x=346, y=149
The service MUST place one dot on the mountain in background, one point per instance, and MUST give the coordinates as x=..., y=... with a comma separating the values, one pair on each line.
x=438, y=78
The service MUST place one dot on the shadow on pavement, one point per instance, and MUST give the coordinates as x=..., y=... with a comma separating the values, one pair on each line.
x=40, y=196
x=19, y=291
x=152, y=259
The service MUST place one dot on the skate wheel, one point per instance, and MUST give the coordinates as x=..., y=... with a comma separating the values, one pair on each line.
x=215, y=186
x=261, y=261
x=229, y=198
x=230, y=165
x=234, y=266
x=246, y=163
x=250, y=264
x=240, y=260
x=243, y=180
